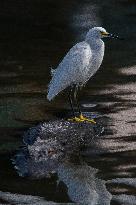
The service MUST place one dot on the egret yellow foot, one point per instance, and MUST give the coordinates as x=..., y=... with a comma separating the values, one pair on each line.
x=75, y=119
x=86, y=119
x=81, y=118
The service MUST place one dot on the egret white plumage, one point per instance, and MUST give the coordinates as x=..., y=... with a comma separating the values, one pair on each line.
x=78, y=66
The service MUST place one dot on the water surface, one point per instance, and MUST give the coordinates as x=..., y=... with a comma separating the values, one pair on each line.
x=34, y=37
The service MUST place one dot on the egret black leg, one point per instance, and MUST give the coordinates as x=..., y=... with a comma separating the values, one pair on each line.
x=79, y=118
x=70, y=100
x=76, y=99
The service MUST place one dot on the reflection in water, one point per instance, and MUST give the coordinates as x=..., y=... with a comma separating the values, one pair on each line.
x=83, y=185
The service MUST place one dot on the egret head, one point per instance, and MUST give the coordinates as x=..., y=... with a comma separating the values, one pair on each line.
x=99, y=32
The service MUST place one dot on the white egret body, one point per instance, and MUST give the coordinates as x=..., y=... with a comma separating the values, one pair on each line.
x=79, y=64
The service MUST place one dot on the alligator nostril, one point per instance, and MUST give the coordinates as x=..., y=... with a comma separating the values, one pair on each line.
x=51, y=151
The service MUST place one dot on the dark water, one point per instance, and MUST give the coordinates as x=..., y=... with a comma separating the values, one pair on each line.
x=34, y=37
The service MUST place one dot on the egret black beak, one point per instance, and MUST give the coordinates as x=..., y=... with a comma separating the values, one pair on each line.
x=114, y=36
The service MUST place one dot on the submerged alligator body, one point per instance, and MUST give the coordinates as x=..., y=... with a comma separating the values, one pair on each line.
x=51, y=143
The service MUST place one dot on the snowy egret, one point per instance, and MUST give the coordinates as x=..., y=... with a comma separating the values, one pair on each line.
x=78, y=66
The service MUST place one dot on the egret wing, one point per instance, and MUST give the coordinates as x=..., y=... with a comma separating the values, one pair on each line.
x=71, y=70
